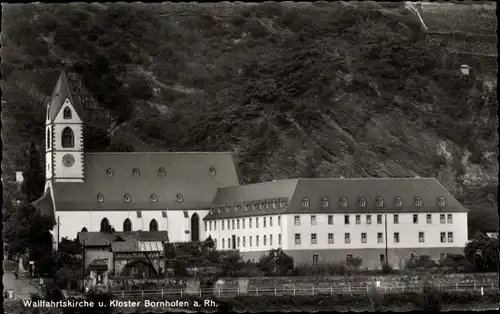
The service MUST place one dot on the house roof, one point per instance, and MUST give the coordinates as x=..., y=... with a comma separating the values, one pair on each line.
x=334, y=189
x=99, y=264
x=133, y=245
x=247, y=195
x=186, y=173
x=44, y=204
x=106, y=239
x=71, y=87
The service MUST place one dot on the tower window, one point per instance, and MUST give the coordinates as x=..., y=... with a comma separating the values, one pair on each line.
x=48, y=139
x=127, y=198
x=136, y=172
x=67, y=113
x=68, y=138
x=100, y=198
x=109, y=172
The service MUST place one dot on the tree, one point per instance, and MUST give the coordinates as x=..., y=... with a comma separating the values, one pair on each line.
x=482, y=253
x=276, y=262
x=34, y=178
x=29, y=230
x=231, y=263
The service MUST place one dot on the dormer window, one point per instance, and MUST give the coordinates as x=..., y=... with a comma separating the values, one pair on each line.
x=211, y=171
x=212, y=211
x=136, y=172
x=274, y=204
x=255, y=206
x=127, y=198
x=228, y=208
x=343, y=202
x=109, y=172
x=179, y=197
x=324, y=202
x=162, y=172
x=67, y=113
x=267, y=205
x=379, y=201
x=361, y=202
x=68, y=138
x=237, y=208
x=441, y=201
x=100, y=198
x=398, y=202
x=247, y=207
x=418, y=201
x=153, y=197
x=305, y=203
x=220, y=210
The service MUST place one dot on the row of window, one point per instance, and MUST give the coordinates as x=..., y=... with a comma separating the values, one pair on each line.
x=238, y=244
x=161, y=172
x=379, y=202
x=315, y=257
x=368, y=219
x=127, y=225
x=364, y=237
x=255, y=205
x=128, y=198
x=235, y=223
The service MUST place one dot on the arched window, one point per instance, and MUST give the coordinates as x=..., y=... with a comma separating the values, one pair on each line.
x=84, y=229
x=179, y=197
x=441, y=201
x=100, y=198
x=324, y=202
x=109, y=172
x=153, y=198
x=195, y=228
x=305, y=202
x=343, y=202
x=418, y=201
x=212, y=171
x=127, y=225
x=67, y=113
x=68, y=138
x=105, y=225
x=48, y=139
x=361, y=202
x=153, y=225
x=398, y=202
x=136, y=172
x=379, y=201
x=127, y=198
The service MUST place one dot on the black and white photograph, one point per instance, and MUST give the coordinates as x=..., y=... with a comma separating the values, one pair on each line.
x=249, y=157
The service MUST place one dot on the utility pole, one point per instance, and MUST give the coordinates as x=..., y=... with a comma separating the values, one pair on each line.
x=386, y=240
x=58, y=231
x=83, y=267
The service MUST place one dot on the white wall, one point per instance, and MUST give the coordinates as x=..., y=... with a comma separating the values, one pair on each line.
x=247, y=232
x=72, y=222
x=408, y=231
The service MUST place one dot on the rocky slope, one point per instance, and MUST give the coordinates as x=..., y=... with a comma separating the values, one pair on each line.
x=317, y=90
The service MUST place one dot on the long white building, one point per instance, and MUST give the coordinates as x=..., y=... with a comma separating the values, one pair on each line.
x=193, y=195
x=317, y=220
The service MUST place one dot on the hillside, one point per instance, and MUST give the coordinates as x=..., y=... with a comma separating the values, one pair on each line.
x=313, y=90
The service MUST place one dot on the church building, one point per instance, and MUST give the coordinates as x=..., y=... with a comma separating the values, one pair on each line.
x=193, y=195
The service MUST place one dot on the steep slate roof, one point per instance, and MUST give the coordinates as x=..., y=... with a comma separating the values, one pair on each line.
x=44, y=204
x=71, y=87
x=105, y=239
x=429, y=189
x=267, y=191
x=187, y=173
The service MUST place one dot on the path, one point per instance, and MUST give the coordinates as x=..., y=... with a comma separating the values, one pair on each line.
x=22, y=286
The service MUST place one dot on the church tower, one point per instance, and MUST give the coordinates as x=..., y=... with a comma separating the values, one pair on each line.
x=64, y=134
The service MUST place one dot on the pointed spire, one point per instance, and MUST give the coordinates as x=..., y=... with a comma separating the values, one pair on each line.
x=61, y=92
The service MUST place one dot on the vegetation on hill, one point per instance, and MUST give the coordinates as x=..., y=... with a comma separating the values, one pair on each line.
x=318, y=90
